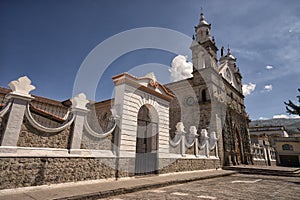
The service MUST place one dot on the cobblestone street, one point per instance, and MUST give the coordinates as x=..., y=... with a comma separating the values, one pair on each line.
x=233, y=187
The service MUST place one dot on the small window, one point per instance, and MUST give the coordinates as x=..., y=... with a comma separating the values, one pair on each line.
x=203, y=95
x=287, y=147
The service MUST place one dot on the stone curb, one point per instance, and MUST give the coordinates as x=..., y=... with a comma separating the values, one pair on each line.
x=261, y=171
x=124, y=190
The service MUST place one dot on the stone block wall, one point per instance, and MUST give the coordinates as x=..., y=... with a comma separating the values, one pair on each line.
x=186, y=164
x=22, y=171
x=91, y=142
x=263, y=162
x=30, y=137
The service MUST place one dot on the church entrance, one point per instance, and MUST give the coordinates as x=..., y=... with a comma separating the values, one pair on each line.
x=238, y=147
x=146, y=141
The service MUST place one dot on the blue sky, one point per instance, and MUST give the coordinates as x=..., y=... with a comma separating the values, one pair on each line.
x=49, y=40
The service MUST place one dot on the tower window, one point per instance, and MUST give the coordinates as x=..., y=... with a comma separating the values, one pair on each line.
x=203, y=95
x=228, y=75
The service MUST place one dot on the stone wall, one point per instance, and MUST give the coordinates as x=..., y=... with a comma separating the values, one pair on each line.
x=186, y=164
x=30, y=137
x=99, y=119
x=91, y=142
x=263, y=162
x=20, y=172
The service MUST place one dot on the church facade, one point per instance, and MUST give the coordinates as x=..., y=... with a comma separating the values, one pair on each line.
x=213, y=98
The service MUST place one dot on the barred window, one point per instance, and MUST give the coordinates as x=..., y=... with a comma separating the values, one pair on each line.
x=287, y=147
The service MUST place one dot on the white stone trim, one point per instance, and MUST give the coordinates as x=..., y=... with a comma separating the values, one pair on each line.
x=186, y=156
x=10, y=151
x=94, y=133
x=174, y=144
x=5, y=109
x=40, y=127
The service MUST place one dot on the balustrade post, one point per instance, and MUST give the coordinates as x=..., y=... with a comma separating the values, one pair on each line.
x=182, y=145
x=80, y=111
x=19, y=97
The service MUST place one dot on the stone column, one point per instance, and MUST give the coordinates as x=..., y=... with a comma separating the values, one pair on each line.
x=80, y=111
x=19, y=97
x=196, y=146
x=219, y=146
x=182, y=145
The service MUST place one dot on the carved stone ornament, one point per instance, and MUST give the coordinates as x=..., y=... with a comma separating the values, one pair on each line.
x=21, y=87
x=204, y=134
x=193, y=131
x=79, y=101
x=180, y=128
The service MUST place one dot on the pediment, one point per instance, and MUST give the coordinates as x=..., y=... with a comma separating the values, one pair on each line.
x=146, y=83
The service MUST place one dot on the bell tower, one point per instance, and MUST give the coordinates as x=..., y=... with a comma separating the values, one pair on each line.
x=204, y=38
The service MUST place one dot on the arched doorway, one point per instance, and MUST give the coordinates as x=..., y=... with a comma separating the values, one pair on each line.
x=146, y=141
x=238, y=148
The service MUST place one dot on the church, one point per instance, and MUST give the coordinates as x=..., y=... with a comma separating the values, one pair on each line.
x=147, y=128
x=216, y=100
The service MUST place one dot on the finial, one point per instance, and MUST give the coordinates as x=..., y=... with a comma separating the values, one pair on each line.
x=228, y=50
x=22, y=86
x=201, y=10
x=201, y=15
x=79, y=101
x=213, y=39
x=193, y=37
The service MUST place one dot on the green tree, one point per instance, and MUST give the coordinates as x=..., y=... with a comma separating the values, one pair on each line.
x=292, y=108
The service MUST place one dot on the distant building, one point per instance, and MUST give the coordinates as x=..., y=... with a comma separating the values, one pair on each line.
x=258, y=134
x=288, y=151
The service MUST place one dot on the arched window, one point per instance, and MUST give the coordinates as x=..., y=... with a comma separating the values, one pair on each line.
x=203, y=95
x=228, y=75
x=287, y=147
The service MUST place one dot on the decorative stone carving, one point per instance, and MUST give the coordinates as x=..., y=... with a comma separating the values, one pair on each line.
x=179, y=137
x=193, y=131
x=79, y=102
x=204, y=134
x=20, y=95
x=204, y=141
x=191, y=137
x=21, y=87
x=180, y=128
x=151, y=75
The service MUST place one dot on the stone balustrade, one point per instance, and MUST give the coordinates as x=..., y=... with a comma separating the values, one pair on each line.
x=17, y=111
x=191, y=139
x=263, y=153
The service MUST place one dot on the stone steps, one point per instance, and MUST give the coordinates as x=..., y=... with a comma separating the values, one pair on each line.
x=294, y=172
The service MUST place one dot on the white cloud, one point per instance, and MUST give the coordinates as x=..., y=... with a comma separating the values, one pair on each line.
x=248, y=88
x=285, y=116
x=263, y=118
x=268, y=88
x=269, y=67
x=181, y=69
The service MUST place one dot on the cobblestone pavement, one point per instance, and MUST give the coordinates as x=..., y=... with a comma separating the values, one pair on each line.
x=232, y=187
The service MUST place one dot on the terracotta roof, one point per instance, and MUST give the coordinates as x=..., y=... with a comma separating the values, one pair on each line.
x=38, y=98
